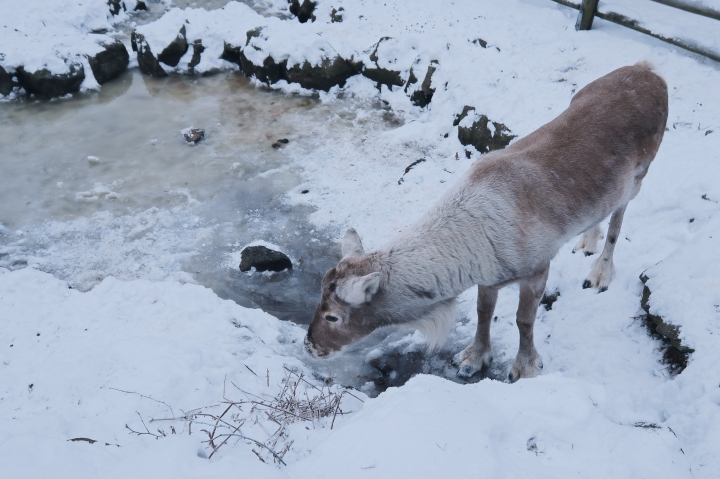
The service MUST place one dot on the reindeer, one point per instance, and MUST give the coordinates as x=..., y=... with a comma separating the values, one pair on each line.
x=502, y=223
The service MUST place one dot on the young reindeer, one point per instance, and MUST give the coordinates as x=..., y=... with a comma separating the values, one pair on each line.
x=502, y=223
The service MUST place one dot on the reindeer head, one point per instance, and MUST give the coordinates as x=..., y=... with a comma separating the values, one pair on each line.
x=344, y=314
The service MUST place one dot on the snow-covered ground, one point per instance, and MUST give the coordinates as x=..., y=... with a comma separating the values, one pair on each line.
x=85, y=365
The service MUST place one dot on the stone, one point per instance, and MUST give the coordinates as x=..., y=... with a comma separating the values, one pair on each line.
x=263, y=259
x=198, y=48
x=49, y=85
x=382, y=76
x=6, y=82
x=115, y=6
x=329, y=73
x=423, y=96
x=303, y=11
x=269, y=72
x=231, y=53
x=675, y=354
x=336, y=16
x=109, y=63
x=141, y=6
x=480, y=135
x=549, y=298
x=172, y=53
x=395, y=368
x=147, y=62
x=193, y=135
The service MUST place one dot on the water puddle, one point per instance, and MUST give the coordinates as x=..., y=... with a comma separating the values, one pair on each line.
x=104, y=184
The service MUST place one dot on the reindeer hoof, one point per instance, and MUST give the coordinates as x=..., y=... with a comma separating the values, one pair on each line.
x=603, y=289
x=511, y=378
x=587, y=284
x=457, y=359
x=589, y=253
x=466, y=371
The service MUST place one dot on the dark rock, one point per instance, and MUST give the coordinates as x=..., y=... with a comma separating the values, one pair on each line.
x=284, y=140
x=6, y=82
x=269, y=72
x=323, y=76
x=193, y=135
x=303, y=11
x=254, y=33
x=49, y=85
x=276, y=145
x=141, y=6
x=134, y=40
x=147, y=62
x=231, y=54
x=395, y=368
x=110, y=62
x=172, y=53
x=382, y=76
x=675, y=354
x=263, y=259
x=304, y=192
x=548, y=299
x=424, y=95
x=479, y=135
x=115, y=6
x=481, y=42
x=198, y=48
x=336, y=16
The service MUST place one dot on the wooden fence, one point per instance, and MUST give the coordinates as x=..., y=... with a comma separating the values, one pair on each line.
x=589, y=9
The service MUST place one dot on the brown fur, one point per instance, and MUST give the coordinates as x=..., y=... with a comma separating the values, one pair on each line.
x=503, y=222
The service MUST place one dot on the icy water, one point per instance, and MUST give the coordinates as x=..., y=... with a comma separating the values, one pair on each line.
x=104, y=184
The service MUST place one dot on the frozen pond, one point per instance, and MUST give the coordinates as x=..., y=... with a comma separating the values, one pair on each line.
x=104, y=184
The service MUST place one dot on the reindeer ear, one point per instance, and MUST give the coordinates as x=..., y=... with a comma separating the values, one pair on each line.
x=359, y=289
x=352, y=246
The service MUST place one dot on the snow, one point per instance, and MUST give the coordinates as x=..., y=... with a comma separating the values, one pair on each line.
x=604, y=405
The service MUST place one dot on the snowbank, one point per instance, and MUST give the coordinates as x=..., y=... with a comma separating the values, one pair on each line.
x=85, y=365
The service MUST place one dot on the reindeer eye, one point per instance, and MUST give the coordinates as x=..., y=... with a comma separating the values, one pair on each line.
x=332, y=287
x=331, y=318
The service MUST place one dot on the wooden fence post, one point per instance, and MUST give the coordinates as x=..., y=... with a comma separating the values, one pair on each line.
x=588, y=9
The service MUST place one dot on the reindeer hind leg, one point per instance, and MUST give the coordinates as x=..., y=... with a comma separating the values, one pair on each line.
x=588, y=242
x=603, y=268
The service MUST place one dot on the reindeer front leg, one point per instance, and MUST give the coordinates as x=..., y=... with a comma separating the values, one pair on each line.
x=478, y=355
x=528, y=362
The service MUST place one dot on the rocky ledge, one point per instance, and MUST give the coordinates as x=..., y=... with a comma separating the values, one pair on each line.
x=675, y=353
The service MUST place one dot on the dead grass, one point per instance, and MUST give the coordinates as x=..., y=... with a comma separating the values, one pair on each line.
x=298, y=401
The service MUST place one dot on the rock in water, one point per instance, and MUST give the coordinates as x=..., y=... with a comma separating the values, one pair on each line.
x=6, y=82
x=263, y=259
x=110, y=62
x=49, y=85
x=193, y=135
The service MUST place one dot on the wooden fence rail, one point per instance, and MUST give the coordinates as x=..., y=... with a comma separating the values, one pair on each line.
x=589, y=10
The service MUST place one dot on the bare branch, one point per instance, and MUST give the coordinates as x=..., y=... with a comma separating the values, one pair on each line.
x=146, y=397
